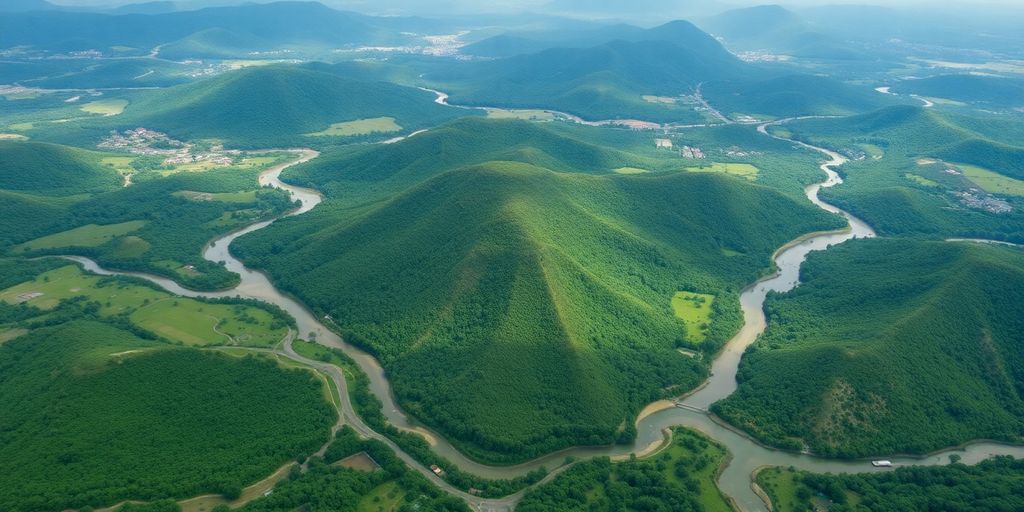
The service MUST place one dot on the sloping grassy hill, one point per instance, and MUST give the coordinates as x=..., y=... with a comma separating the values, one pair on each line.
x=905, y=186
x=519, y=309
x=890, y=346
x=277, y=105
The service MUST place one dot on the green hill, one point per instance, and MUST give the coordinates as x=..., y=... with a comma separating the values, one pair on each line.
x=518, y=309
x=602, y=82
x=275, y=106
x=914, y=165
x=792, y=95
x=890, y=346
x=51, y=169
x=991, y=90
x=775, y=28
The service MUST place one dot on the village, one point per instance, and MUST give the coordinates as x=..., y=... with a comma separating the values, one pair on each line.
x=142, y=141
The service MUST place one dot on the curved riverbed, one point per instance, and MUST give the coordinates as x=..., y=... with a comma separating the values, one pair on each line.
x=690, y=411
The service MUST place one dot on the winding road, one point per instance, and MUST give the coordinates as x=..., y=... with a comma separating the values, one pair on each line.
x=690, y=411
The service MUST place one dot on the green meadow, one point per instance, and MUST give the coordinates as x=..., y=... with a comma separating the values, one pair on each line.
x=694, y=309
x=90, y=235
x=359, y=127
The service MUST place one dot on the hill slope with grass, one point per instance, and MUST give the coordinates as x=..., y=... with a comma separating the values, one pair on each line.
x=792, y=95
x=51, y=169
x=278, y=105
x=518, y=308
x=890, y=346
x=991, y=90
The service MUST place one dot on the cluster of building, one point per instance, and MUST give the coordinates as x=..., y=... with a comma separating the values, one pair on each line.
x=980, y=201
x=740, y=153
x=142, y=141
x=691, y=153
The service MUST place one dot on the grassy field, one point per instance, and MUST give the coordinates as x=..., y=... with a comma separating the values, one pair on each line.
x=630, y=170
x=248, y=196
x=91, y=235
x=12, y=136
x=694, y=309
x=780, y=485
x=992, y=182
x=680, y=477
x=197, y=323
x=182, y=320
x=105, y=107
x=921, y=180
x=359, y=127
x=385, y=498
x=747, y=171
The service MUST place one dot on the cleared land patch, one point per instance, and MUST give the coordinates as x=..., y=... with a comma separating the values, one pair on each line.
x=921, y=180
x=526, y=114
x=992, y=182
x=12, y=136
x=105, y=107
x=91, y=235
x=359, y=127
x=248, y=196
x=630, y=170
x=746, y=171
x=694, y=309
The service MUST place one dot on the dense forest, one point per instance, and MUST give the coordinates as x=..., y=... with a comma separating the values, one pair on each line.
x=889, y=346
x=996, y=484
x=520, y=310
x=681, y=478
x=95, y=415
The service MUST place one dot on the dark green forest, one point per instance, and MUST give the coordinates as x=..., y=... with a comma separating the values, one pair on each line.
x=96, y=415
x=889, y=346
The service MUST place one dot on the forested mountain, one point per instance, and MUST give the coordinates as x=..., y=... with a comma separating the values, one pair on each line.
x=518, y=308
x=266, y=26
x=775, y=28
x=278, y=105
x=890, y=346
x=26, y=5
x=792, y=95
x=601, y=82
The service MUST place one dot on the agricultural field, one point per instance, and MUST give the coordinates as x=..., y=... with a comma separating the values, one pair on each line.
x=105, y=107
x=745, y=171
x=90, y=235
x=992, y=182
x=359, y=127
x=523, y=114
x=224, y=197
x=180, y=320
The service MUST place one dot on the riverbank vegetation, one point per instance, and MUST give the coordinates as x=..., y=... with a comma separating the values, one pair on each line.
x=518, y=306
x=77, y=205
x=927, y=183
x=993, y=484
x=326, y=485
x=679, y=478
x=889, y=346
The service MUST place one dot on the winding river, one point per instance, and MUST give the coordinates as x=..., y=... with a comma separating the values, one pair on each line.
x=691, y=411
